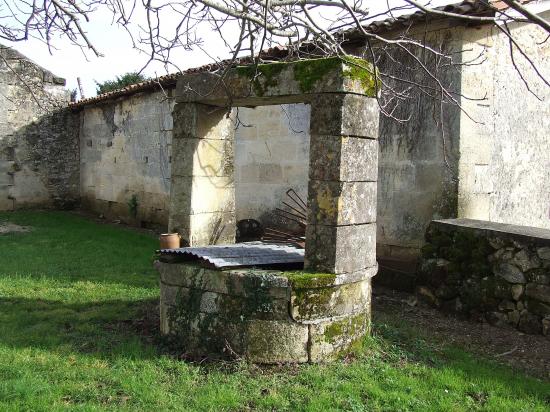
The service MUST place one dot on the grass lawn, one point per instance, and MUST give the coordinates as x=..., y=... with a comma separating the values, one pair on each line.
x=70, y=288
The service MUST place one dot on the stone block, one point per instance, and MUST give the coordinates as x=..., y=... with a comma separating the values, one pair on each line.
x=530, y=323
x=202, y=157
x=321, y=303
x=544, y=252
x=258, y=284
x=260, y=305
x=341, y=203
x=327, y=339
x=200, y=194
x=270, y=173
x=509, y=272
x=343, y=158
x=170, y=295
x=276, y=342
x=275, y=83
x=340, y=249
x=538, y=292
x=192, y=120
x=344, y=115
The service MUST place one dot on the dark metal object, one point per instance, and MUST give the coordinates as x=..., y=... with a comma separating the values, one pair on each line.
x=248, y=230
x=240, y=254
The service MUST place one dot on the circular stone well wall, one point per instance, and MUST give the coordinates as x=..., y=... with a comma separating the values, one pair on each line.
x=263, y=316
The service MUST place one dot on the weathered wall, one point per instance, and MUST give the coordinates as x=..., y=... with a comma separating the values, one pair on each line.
x=505, y=158
x=126, y=151
x=491, y=271
x=38, y=137
x=125, y=148
x=418, y=157
x=271, y=156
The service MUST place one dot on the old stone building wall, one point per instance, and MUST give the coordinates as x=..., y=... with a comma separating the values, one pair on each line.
x=38, y=137
x=125, y=149
x=271, y=156
x=505, y=156
x=418, y=156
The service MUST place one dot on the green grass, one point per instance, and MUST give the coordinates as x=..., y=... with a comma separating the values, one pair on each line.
x=69, y=287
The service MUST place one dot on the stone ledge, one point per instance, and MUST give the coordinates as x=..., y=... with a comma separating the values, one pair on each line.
x=525, y=233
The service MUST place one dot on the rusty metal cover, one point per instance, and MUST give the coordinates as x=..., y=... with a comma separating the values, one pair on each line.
x=241, y=254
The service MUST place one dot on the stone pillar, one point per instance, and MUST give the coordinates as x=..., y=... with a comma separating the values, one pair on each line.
x=343, y=170
x=202, y=191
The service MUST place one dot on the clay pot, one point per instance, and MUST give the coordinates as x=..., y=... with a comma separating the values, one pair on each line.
x=169, y=241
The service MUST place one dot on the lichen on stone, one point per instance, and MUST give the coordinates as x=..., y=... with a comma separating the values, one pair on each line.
x=351, y=327
x=306, y=279
x=364, y=72
x=263, y=76
x=308, y=72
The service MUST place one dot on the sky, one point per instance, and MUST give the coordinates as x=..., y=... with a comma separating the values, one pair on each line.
x=120, y=57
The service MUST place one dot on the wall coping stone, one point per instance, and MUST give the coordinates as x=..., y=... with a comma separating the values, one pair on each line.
x=503, y=230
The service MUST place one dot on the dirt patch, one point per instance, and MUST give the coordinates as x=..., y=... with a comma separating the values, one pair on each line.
x=7, y=227
x=530, y=353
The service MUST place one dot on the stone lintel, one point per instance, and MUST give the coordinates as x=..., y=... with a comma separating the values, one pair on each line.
x=276, y=83
x=340, y=249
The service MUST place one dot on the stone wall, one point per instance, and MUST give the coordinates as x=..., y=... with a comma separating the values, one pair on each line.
x=505, y=156
x=418, y=157
x=39, y=153
x=126, y=147
x=261, y=315
x=125, y=154
x=271, y=156
x=489, y=271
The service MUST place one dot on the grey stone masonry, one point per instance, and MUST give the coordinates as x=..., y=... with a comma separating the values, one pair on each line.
x=264, y=316
x=493, y=271
x=318, y=314
x=39, y=147
x=202, y=191
x=341, y=231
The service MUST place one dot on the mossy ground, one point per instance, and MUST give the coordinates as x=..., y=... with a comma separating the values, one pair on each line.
x=70, y=287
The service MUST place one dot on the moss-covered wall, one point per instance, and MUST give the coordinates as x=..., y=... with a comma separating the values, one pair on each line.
x=492, y=272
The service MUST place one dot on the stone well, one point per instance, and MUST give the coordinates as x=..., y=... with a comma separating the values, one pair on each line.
x=274, y=316
x=261, y=315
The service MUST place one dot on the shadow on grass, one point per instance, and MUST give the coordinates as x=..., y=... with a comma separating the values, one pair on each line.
x=106, y=329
